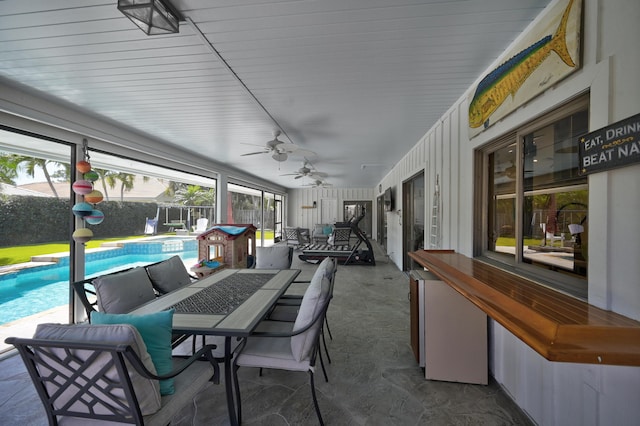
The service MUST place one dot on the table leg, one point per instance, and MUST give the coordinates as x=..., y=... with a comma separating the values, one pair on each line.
x=231, y=406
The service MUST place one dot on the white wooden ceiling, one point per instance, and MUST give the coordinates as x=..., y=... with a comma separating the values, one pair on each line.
x=358, y=82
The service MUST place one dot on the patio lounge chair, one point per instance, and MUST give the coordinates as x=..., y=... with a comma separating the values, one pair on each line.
x=201, y=225
x=151, y=227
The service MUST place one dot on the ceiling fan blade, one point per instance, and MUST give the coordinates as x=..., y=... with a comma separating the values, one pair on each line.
x=287, y=147
x=290, y=148
x=297, y=177
x=253, y=153
x=303, y=153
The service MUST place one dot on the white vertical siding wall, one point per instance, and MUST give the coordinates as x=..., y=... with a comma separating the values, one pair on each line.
x=554, y=393
x=305, y=218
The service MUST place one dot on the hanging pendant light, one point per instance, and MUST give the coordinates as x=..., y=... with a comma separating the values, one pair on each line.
x=151, y=16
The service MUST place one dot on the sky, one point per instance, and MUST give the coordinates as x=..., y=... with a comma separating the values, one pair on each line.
x=24, y=178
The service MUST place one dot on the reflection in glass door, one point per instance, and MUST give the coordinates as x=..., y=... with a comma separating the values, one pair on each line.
x=413, y=218
x=353, y=209
x=382, y=224
x=277, y=225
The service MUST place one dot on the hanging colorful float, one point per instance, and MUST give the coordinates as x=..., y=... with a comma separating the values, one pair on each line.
x=86, y=210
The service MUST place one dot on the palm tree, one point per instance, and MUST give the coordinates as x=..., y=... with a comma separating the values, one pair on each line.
x=173, y=187
x=107, y=178
x=63, y=174
x=191, y=195
x=127, y=180
x=126, y=183
x=195, y=195
x=31, y=164
x=9, y=168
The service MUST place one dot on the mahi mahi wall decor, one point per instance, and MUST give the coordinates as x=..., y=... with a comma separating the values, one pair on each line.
x=547, y=54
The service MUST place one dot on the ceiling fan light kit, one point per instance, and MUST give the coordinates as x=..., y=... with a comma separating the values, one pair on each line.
x=280, y=156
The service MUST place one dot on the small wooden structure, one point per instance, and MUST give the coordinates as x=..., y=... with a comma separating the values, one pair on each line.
x=232, y=242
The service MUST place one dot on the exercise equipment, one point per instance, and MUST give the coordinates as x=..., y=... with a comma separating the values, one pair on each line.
x=313, y=253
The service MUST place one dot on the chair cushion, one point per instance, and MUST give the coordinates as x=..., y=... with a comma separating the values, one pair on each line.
x=168, y=275
x=274, y=257
x=270, y=352
x=123, y=291
x=147, y=390
x=312, y=302
x=155, y=330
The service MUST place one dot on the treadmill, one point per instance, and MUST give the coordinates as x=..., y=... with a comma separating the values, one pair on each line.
x=347, y=255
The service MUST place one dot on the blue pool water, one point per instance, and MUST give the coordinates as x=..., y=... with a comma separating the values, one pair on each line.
x=34, y=290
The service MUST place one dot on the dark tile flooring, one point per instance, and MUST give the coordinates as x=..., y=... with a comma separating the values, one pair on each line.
x=373, y=377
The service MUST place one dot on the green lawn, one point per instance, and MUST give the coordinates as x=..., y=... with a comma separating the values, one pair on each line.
x=268, y=235
x=21, y=254
x=511, y=242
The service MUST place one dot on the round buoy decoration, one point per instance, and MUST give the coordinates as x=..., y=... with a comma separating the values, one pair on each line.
x=91, y=176
x=83, y=166
x=85, y=210
x=82, y=209
x=95, y=217
x=94, y=197
x=82, y=235
x=82, y=187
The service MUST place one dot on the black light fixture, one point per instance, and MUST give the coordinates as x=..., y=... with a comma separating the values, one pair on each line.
x=152, y=16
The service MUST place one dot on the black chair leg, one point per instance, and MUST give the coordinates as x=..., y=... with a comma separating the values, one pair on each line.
x=237, y=386
x=324, y=343
x=324, y=371
x=326, y=322
x=315, y=399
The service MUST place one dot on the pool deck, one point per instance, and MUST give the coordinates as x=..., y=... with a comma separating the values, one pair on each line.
x=25, y=327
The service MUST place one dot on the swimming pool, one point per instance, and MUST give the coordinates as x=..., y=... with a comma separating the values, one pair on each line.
x=32, y=290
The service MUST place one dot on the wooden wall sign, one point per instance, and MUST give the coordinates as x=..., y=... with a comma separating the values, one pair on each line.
x=613, y=146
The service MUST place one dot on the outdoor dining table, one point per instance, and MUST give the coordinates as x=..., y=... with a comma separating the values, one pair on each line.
x=230, y=303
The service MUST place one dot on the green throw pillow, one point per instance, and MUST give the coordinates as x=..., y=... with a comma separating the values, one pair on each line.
x=155, y=330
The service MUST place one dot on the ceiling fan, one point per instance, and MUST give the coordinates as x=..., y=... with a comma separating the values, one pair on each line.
x=307, y=170
x=318, y=183
x=280, y=150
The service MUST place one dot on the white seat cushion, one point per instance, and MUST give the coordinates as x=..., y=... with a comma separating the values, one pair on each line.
x=270, y=352
x=312, y=302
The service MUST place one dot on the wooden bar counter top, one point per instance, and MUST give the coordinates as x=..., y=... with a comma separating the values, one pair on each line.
x=557, y=326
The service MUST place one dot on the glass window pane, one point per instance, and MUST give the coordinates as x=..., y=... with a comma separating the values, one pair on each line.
x=268, y=224
x=555, y=231
x=502, y=181
x=555, y=197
